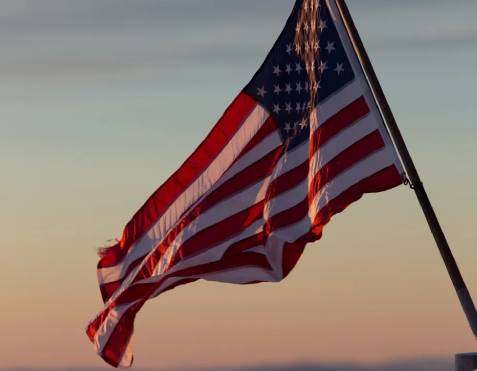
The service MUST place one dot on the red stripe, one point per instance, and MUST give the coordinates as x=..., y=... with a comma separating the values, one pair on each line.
x=200, y=159
x=222, y=230
x=353, y=154
x=331, y=127
x=350, y=156
x=288, y=216
x=269, y=127
x=291, y=254
x=381, y=181
x=251, y=175
x=118, y=341
x=122, y=332
x=288, y=180
x=219, y=232
x=206, y=238
x=247, y=177
x=258, y=239
x=339, y=121
x=146, y=290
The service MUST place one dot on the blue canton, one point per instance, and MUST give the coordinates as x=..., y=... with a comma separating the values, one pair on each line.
x=282, y=85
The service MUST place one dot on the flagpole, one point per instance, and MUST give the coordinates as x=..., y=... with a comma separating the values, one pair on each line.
x=414, y=179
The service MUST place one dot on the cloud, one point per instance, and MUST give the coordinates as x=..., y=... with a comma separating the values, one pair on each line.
x=89, y=38
x=63, y=39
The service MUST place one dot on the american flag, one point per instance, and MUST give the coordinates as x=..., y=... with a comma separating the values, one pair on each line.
x=265, y=181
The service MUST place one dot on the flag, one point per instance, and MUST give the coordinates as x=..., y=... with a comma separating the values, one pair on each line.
x=302, y=141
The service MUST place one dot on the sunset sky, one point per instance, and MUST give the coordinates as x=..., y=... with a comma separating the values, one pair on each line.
x=100, y=101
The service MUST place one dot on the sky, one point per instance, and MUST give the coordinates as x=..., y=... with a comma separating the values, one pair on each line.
x=100, y=101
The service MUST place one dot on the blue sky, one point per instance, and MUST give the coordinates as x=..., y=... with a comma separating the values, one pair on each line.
x=101, y=100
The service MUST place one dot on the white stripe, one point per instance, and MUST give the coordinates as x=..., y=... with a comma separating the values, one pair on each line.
x=107, y=326
x=212, y=254
x=242, y=275
x=325, y=154
x=224, y=209
x=293, y=158
x=257, y=249
x=293, y=232
x=334, y=188
x=228, y=207
x=325, y=110
x=361, y=170
x=338, y=100
x=202, y=184
x=362, y=81
x=340, y=142
x=286, y=200
x=238, y=275
x=106, y=329
x=290, y=233
x=270, y=143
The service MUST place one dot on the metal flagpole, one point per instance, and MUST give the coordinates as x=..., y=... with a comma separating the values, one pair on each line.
x=415, y=181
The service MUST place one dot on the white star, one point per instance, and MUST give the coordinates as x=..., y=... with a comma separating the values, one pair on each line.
x=288, y=69
x=276, y=108
x=288, y=107
x=289, y=48
x=288, y=127
x=339, y=68
x=276, y=70
x=316, y=46
x=261, y=92
x=330, y=47
x=298, y=68
x=297, y=49
x=276, y=89
x=323, y=66
x=322, y=26
x=303, y=124
x=295, y=127
x=307, y=87
x=288, y=88
x=298, y=107
x=298, y=87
